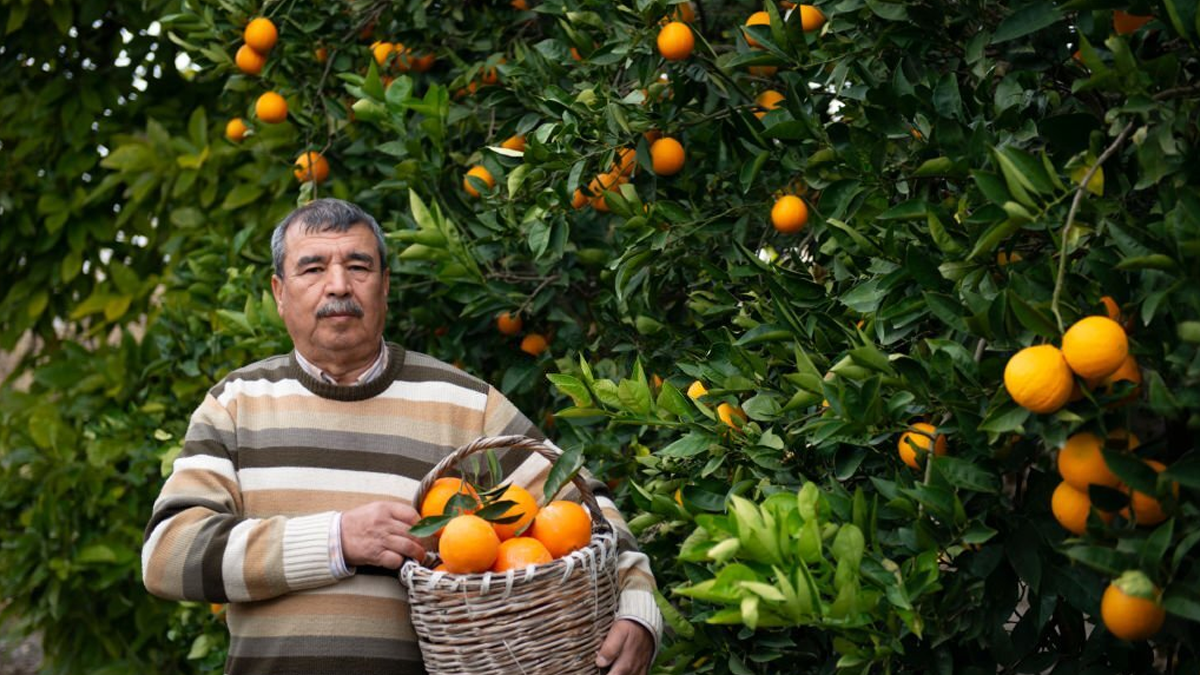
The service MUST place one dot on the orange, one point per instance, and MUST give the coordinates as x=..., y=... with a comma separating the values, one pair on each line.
x=491, y=75
x=696, y=390
x=423, y=63
x=1111, y=308
x=1039, y=379
x=1146, y=509
x=311, y=166
x=575, y=55
x=235, y=130
x=382, y=51
x=1081, y=463
x=1070, y=508
x=667, y=156
x=508, y=323
x=1125, y=23
x=260, y=35
x=1130, y=607
x=811, y=18
x=768, y=100
x=1003, y=258
x=1095, y=346
x=1127, y=372
x=482, y=174
x=403, y=59
x=726, y=413
x=534, y=344
x=675, y=41
x=578, y=199
x=789, y=215
x=923, y=443
x=321, y=54
x=562, y=527
x=626, y=161
x=519, y=553
x=468, y=545
x=519, y=5
x=684, y=12
x=763, y=71
x=271, y=108
x=441, y=567
x=756, y=19
x=440, y=493
x=514, y=143
x=249, y=61
x=526, y=507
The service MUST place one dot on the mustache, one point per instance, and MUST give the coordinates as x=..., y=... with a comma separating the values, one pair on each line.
x=340, y=306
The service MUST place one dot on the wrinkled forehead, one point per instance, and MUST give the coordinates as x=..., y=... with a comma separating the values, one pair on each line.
x=304, y=240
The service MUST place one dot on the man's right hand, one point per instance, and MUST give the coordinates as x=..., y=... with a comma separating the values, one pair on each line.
x=377, y=534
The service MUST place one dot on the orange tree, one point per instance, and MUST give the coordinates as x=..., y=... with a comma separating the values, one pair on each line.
x=842, y=221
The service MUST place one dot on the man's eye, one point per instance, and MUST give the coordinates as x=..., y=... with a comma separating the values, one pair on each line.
x=310, y=270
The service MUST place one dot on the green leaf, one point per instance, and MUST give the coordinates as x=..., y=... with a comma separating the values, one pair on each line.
x=1029, y=19
x=572, y=387
x=241, y=195
x=673, y=401
x=564, y=469
x=765, y=333
x=689, y=446
x=751, y=169
x=1154, y=261
x=1007, y=417
x=966, y=474
x=429, y=526
x=1033, y=319
x=1102, y=559
x=635, y=396
x=910, y=210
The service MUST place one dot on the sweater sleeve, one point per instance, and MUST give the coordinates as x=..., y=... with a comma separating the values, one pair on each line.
x=634, y=577
x=199, y=546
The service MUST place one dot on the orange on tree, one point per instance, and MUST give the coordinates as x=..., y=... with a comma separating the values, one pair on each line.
x=675, y=41
x=1125, y=23
x=1095, y=346
x=562, y=526
x=235, y=129
x=491, y=75
x=534, y=344
x=789, y=215
x=271, y=108
x=756, y=19
x=1071, y=507
x=480, y=173
x=1039, y=379
x=811, y=18
x=578, y=199
x=249, y=61
x=1081, y=462
x=626, y=161
x=1128, y=371
x=1145, y=509
x=311, y=166
x=468, y=545
x=920, y=441
x=767, y=101
x=1111, y=308
x=260, y=35
x=1004, y=258
x=514, y=143
x=727, y=413
x=519, y=5
x=321, y=54
x=440, y=494
x=696, y=390
x=520, y=552
x=685, y=12
x=382, y=51
x=762, y=71
x=509, y=323
x=667, y=156
x=1131, y=607
x=423, y=63
x=526, y=507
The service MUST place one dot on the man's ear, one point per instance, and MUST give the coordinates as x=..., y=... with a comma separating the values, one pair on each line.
x=277, y=291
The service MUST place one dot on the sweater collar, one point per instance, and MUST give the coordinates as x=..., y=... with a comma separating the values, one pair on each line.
x=351, y=392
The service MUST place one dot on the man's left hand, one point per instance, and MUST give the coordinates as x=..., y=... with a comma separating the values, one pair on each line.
x=627, y=650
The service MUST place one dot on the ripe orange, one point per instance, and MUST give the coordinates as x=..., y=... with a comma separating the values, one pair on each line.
x=667, y=156
x=249, y=61
x=482, y=174
x=923, y=442
x=562, y=527
x=382, y=51
x=811, y=18
x=491, y=75
x=321, y=54
x=675, y=41
x=1070, y=508
x=235, y=130
x=519, y=5
x=1081, y=463
x=260, y=35
x=311, y=166
x=1125, y=23
x=789, y=215
x=1111, y=308
x=1127, y=372
x=440, y=493
x=534, y=344
x=1003, y=258
x=271, y=108
x=1130, y=607
x=1039, y=379
x=508, y=323
x=578, y=199
x=1146, y=509
x=514, y=143
x=1095, y=346
x=626, y=161
x=696, y=390
x=526, y=507
x=468, y=545
x=684, y=12
x=726, y=412
x=756, y=19
x=403, y=58
x=423, y=63
x=520, y=552
x=766, y=101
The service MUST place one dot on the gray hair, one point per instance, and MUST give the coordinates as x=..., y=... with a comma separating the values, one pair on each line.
x=325, y=215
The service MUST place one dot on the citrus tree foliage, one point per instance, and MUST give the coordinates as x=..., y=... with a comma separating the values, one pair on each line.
x=978, y=177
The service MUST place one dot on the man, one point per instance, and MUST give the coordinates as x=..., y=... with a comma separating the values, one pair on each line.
x=292, y=497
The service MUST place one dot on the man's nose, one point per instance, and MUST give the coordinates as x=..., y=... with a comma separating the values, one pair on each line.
x=337, y=281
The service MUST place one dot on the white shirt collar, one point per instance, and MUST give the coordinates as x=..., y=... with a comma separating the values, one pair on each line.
x=369, y=374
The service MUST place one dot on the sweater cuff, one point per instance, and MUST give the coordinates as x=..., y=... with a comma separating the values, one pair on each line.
x=639, y=606
x=306, y=551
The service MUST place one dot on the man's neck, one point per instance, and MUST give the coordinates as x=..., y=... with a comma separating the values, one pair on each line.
x=344, y=372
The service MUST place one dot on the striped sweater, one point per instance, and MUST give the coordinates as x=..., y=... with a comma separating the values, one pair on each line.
x=272, y=454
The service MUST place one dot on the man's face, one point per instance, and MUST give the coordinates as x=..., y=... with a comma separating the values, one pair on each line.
x=333, y=294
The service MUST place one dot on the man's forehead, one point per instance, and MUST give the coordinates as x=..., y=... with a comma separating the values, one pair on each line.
x=359, y=236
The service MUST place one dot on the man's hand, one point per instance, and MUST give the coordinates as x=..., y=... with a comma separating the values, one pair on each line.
x=628, y=649
x=377, y=534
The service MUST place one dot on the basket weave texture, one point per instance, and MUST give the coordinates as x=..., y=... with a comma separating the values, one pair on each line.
x=546, y=619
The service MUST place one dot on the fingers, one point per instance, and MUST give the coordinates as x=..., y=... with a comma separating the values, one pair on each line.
x=377, y=534
x=628, y=648
x=610, y=649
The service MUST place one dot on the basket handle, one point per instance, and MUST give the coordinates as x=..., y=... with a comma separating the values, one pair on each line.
x=515, y=442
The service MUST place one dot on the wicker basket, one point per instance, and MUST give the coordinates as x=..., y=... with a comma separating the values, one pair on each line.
x=549, y=619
